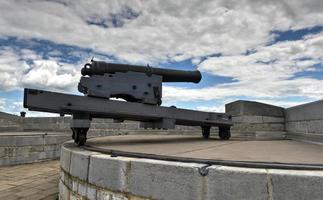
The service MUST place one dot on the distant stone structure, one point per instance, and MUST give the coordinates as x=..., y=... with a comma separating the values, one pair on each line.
x=257, y=120
x=305, y=122
x=32, y=139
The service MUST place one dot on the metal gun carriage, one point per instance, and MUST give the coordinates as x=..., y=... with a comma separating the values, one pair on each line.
x=139, y=86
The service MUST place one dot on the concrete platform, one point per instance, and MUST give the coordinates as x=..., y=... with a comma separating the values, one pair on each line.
x=195, y=147
x=90, y=174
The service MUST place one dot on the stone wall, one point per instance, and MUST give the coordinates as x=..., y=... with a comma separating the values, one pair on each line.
x=98, y=126
x=256, y=120
x=28, y=147
x=9, y=122
x=305, y=122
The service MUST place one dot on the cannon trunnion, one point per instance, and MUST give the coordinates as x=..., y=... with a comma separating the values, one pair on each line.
x=139, y=86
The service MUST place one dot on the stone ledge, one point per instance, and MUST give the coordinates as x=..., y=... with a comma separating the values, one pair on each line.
x=134, y=178
x=238, y=108
x=305, y=137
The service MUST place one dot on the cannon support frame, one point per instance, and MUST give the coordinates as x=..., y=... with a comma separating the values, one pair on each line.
x=84, y=108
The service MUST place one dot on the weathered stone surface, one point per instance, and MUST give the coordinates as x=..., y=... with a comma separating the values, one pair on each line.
x=74, y=196
x=309, y=111
x=296, y=184
x=91, y=193
x=80, y=163
x=109, y=172
x=242, y=127
x=65, y=158
x=132, y=178
x=267, y=119
x=272, y=135
x=82, y=189
x=63, y=191
x=7, y=141
x=247, y=119
x=107, y=195
x=165, y=180
x=236, y=183
x=30, y=140
x=240, y=107
x=315, y=126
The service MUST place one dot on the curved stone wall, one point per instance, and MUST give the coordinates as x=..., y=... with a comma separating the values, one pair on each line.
x=92, y=175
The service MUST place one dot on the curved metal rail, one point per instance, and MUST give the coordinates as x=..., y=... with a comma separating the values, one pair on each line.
x=247, y=164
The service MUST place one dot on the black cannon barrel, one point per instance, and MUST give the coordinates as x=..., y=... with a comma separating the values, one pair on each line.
x=169, y=75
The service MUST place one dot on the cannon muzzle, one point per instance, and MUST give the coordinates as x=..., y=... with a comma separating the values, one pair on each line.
x=169, y=75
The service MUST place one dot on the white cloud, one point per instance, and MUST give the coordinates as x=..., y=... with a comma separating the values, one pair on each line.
x=171, y=31
x=220, y=108
x=50, y=74
x=16, y=73
x=163, y=30
x=11, y=69
x=267, y=73
x=302, y=87
x=279, y=61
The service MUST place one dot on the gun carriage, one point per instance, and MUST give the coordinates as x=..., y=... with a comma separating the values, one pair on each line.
x=139, y=86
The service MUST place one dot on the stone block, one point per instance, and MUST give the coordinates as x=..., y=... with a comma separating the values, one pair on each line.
x=61, y=175
x=132, y=126
x=240, y=107
x=8, y=141
x=165, y=180
x=50, y=139
x=30, y=140
x=242, y=127
x=65, y=158
x=91, y=193
x=236, y=183
x=272, y=135
x=63, y=191
x=267, y=119
x=296, y=184
x=74, y=196
x=296, y=127
x=3, y=152
x=108, y=172
x=80, y=163
x=291, y=127
x=248, y=119
x=75, y=185
x=315, y=126
x=309, y=111
x=82, y=188
x=107, y=195
x=99, y=126
x=276, y=127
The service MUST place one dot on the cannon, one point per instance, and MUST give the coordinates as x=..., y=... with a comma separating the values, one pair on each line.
x=141, y=89
x=130, y=82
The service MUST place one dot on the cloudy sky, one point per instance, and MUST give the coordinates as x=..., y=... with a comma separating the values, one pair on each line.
x=266, y=50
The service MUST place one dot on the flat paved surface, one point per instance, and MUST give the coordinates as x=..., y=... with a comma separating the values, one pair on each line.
x=29, y=181
x=282, y=151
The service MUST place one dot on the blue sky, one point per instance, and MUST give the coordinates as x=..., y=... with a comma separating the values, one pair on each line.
x=244, y=52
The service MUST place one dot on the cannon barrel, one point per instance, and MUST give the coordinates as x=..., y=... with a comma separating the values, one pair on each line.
x=169, y=75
